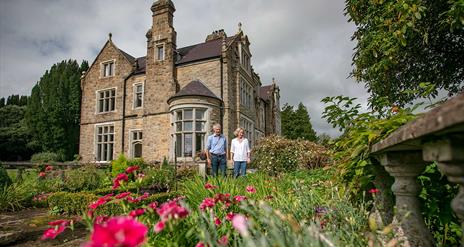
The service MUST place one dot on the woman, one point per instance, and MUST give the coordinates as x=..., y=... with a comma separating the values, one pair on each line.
x=240, y=150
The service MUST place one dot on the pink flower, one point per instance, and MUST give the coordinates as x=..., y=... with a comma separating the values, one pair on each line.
x=239, y=222
x=116, y=184
x=207, y=203
x=224, y=240
x=239, y=198
x=159, y=226
x=132, y=169
x=51, y=233
x=200, y=244
x=209, y=186
x=153, y=205
x=122, y=195
x=171, y=210
x=58, y=223
x=102, y=200
x=373, y=191
x=48, y=168
x=137, y=212
x=118, y=231
x=250, y=189
x=121, y=177
x=140, y=175
x=101, y=219
x=217, y=221
x=42, y=174
x=138, y=199
x=230, y=216
x=222, y=198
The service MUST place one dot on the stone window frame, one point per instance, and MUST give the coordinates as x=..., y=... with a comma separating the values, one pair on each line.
x=248, y=125
x=245, y=58
x=97, y=99
x=132, y=142
x=96, y=142
x=134, y=92
x=246, y=93
x=174, y=132
x=262, y=116
x=102, y=68
x=157, y=46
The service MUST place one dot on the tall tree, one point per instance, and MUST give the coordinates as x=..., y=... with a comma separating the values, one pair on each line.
x=2, y=102
x=296, y=124
x=14, y=134
x=53, y=111
x=407, y=48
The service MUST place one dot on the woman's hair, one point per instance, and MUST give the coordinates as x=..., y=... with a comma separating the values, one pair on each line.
x=238, y=130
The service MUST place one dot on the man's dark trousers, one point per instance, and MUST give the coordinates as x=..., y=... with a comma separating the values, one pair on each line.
x=218, y=162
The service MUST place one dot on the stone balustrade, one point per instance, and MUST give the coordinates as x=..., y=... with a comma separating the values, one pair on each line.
x=437, y=135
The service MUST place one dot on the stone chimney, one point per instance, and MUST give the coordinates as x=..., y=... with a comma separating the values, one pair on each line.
x=218, y=34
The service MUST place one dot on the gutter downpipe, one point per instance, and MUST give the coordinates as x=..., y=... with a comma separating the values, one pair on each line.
x=124, y=112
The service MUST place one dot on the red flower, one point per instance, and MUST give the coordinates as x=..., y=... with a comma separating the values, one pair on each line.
x=217, y=221
x=118, y=231
x=132, y=169
x=230, y=216
x=101, y=219
x=209, y=186
x=116, y=184
x=102, y=200
x=224, y=240
x=58, y=223
x=171, y=210
x=121, y=177
x=153, y=205
x=51, y=233
x=207, y=203
x=239, y=198
x=122, y=195
x=373, y=191
x=42, y=174
x=137, y=212
x=200, y=244
x=269, y=197
x=250, y=189
x=159, y=227
x=48, y=168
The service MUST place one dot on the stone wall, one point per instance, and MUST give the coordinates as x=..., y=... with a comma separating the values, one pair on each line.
x=157, y=138
x=208, y=72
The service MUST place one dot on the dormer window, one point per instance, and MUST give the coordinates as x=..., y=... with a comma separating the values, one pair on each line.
x=160, y=52
x=108, y=69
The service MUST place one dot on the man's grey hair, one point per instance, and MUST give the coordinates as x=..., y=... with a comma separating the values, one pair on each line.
x=216, y=125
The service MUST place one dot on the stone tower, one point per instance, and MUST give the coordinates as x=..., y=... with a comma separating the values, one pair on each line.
x=160, y=82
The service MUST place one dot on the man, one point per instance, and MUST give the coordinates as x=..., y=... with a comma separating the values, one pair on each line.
x=216, y=151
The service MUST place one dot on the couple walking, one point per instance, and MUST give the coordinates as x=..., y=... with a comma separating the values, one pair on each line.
x=217, y=156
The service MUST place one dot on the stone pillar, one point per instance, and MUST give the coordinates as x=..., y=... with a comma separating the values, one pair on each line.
x=449, y=154
x=404, y=167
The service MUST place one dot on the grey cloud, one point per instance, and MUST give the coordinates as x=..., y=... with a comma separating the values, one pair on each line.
x=304, y=44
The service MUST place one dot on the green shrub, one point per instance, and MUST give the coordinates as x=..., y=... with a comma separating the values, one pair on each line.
x=119, y=165
x=46, y=157
x=15, y=197
x=275, y=154
x=5, y=180
x=84, y=178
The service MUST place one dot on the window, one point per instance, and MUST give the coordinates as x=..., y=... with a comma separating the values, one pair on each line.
x=108, y=69
x=248, y=126
x=104, y=142
x=190, y=131
x=262, y=119
x=246, y=94
x=245, y=61
x=136, y=143
x=138, y=95
x=106, y=100
x=160, y=52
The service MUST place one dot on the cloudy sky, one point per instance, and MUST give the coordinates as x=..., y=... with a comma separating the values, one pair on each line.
x=304, y=44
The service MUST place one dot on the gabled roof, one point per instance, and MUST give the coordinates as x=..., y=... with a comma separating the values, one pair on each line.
x=130, y=58
x=265, y=92
x=140, y=65
x=208, y=49
x=195, y=88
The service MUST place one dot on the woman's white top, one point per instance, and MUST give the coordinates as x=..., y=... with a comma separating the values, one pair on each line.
x=240, y=149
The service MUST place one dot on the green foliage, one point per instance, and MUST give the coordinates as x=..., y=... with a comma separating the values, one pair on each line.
x=401, y=44
x=158, y=178
x=14, y=197
x=44, y=157
x=53, y=111
x=436, y=196
x=5, y=180
x=119, y=165
x=296, y=124
x=84, y=178
x=276, y=155
x=14, y=134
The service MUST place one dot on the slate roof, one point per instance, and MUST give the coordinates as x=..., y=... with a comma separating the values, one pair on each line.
x=141, y=65
x=265, y=92
x=195, y=88
x=129, y=57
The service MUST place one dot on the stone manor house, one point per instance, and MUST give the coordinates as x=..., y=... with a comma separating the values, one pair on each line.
x=165, y=103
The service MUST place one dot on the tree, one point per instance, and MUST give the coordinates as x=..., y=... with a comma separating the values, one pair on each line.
x=296, y=124
x=407, y=47
x=53, y=111
x=2, y=102
x=14, y=134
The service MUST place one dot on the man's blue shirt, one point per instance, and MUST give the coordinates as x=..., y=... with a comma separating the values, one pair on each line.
x=216, y=144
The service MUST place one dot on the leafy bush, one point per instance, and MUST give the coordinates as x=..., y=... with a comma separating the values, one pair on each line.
x=122, y=163
x=5, y=180
x=158, y=178
x=84, y=178
x=46, y=157
x=276, y=154
x=14, y=197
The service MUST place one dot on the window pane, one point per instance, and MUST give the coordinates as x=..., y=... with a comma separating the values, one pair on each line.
x=179, y=126
x=179, y=115
x=199, y=142
x=139, y=88
x=140, y=135
x=187, y=145
x=137, y=150
x=134, y=135
x=178, y=145
x=188, y=126
x=199, y=126
x=199, y=114
x=188, y=114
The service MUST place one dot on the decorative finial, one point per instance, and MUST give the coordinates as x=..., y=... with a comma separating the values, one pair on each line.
x=239, y=27
x=110, y=35
x=273, y=81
